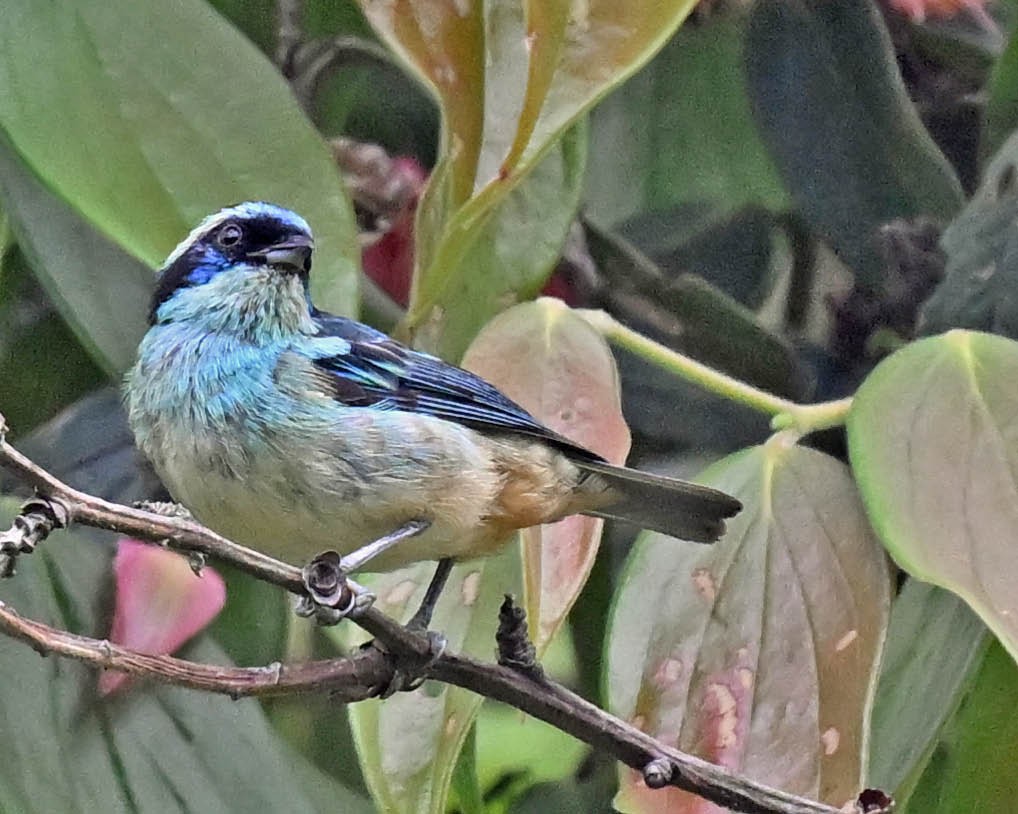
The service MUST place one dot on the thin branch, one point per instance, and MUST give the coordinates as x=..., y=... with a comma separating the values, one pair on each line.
x=365, y=673
x=349, y=679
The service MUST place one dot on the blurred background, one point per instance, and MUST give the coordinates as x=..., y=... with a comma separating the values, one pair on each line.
x=787, y=191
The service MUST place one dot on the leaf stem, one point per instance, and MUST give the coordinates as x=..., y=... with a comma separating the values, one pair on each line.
x=786, y=414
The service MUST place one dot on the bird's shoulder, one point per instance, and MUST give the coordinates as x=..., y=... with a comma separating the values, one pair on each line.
x=363, y=367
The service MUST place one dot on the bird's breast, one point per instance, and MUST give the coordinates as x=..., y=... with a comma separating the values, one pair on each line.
x=266, y=460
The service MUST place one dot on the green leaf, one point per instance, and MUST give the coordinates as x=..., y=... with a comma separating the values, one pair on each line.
x=154, y=748
x=577, y=54
x=146, y=116
x=932, y=435
x=831, y=104
x=975, y=768
x=760, y=652
x=409, y=744
x=526, y=751
x=465, y=785
x=495, y=257
x=735, y=252
x=444, y=44
x=42, y=366
x=553, y=363
x=696, y=139
x=511, y=79
x=913, y=702
x=1000, y=118
x=982, y=257
x=750, y=351
x=100, y=290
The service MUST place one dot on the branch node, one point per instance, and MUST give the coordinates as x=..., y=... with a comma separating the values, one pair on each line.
x=515, y=650
x=39, y=517
x=658, y=773
x=196, y=560
x=874, y=801
x=409, y=669
x=165, y=508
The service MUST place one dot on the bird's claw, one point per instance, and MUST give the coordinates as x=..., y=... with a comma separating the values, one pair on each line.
x=409, y=672
x=331, y=595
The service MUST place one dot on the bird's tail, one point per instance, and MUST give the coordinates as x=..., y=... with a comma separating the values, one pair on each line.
x=668, y=505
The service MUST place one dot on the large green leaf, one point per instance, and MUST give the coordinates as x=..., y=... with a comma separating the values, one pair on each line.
x=981, y=244
x=153, y=749
x=42, y=365
x=512, y=77
x=832, y=106
x=506, y=254
x=444, y=44
x=101, y=290
x=933, y=437
x=975, y=768
x=681, y=130
x=760, y=652
x=929, y=626
x=146, y=116
x=409, y=744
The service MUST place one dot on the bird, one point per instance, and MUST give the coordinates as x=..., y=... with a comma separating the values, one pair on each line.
x=291, y=430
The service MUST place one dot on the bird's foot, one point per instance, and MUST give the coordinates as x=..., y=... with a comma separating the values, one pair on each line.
x=331, y=595
x=410, y=670
x=166, y=508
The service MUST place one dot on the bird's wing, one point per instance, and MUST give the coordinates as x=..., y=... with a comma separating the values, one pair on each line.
x=380, y=373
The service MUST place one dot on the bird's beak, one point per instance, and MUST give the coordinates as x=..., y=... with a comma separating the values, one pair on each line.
x=292, y=254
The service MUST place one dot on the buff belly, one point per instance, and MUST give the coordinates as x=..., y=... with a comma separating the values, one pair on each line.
x=292, y=497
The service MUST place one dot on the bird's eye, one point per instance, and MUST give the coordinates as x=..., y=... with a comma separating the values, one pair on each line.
x=230, y=235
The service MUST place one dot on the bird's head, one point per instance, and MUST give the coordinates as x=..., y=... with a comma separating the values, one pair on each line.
x=244, y=264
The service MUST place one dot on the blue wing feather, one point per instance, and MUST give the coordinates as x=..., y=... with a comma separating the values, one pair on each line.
x=380, y=373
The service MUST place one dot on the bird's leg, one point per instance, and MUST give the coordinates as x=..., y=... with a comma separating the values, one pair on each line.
x=331, y=594
x=360, y=557
x=405, y=676
x=422, y=618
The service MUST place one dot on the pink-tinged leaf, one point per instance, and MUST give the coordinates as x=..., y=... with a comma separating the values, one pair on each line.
x=578, y=53
x=160, y=602
x=550, y=361
x=409, y=744
x=919, y=10
x=444, y=43
x=760, y=652
x=514, y=79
